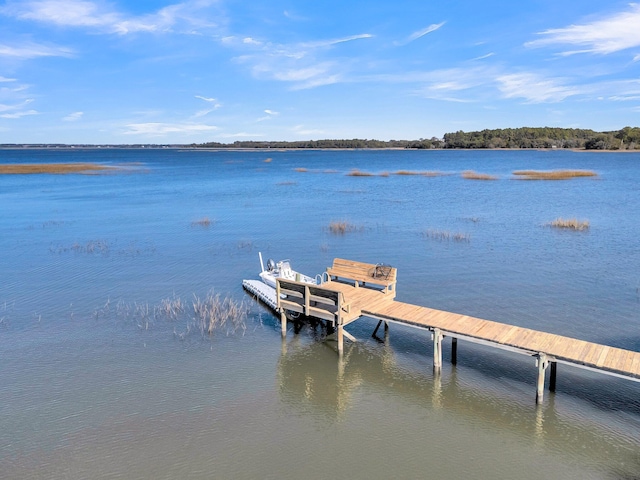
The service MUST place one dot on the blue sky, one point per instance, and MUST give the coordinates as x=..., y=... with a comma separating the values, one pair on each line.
x=153, y=71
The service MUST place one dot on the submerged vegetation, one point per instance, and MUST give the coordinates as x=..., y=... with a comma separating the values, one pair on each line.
x=569, y=224
x=445, y=235
x=202, y=222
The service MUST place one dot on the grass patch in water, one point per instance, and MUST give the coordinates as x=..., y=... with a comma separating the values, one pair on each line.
x=359, y=173
x=569, y=224
x=54, y=168
x=204, y=222
x=553, y=174
x=206, y=316
x=445, y=235
x=340, y=227
x=423, y=174
x=471, y=175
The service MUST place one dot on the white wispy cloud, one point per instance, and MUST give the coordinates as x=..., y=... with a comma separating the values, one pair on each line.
x=482, y=57
x=6, y=80
x=101, y=17
x=206, y=99
x=335, y=41
x=33, y=50
x=156, y=129
x=302, y=75
x=16, y=106
x=73, y=117
x=269, y=115
x=240, y=135
x=304, y=65
x=214, y=105
x=613, y=33
x=420, y=33
x=301, y=130
x=23, y=113
x=535, y=88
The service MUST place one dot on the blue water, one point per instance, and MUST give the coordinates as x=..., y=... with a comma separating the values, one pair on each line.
x=97, y=392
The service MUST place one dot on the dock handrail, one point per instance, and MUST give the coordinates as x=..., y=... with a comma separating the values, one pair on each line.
x=311, y=300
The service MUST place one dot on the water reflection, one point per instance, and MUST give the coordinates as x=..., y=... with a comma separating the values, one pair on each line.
x=313, y=380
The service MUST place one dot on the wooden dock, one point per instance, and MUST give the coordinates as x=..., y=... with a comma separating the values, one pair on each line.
x=358, y=289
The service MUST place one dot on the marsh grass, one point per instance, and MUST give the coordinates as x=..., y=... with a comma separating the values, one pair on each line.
x=446, y=236
x=471, y=175
x=92, y=247
x=359, y=173
x=206, y=315
x=553, y=174
x=340, y=227
x=246, y=245
x=55, y=168
x=301, y=169
x=569, y=224
x=204, y=222
x=215, y=313
x=420, y=173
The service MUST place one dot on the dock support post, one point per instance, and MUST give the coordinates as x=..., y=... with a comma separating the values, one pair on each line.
x=377, y=327
x=552, y=376
x=437, y=349
x=340, y=340
x=454, y=350
x=542, y=364
x=283, y=323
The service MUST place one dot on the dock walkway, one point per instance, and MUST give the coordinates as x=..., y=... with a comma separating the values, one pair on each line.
x=358, y=289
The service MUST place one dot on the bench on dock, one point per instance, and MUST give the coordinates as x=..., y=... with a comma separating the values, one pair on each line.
x=367, y=273
x=310, y=300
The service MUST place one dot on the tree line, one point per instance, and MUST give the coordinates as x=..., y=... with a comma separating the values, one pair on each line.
x=328, y=143
x=627, y=138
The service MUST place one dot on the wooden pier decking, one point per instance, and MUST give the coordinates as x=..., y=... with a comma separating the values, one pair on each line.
x=358, y=289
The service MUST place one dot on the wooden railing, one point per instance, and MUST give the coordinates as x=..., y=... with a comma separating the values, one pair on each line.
x=367, y=273
x=311, y=300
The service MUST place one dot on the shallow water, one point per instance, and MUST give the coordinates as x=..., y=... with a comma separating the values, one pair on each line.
x=92, y=388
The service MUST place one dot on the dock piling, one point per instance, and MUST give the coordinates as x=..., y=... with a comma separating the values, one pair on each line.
x=552, y=376
x=542, y=364
x=437, y=349
x=283, y=323
x=454, y=350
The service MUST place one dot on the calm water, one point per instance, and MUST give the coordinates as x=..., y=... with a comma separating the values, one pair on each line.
x=93, y=387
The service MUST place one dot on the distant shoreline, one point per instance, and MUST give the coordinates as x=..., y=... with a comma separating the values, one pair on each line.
x=299, y=149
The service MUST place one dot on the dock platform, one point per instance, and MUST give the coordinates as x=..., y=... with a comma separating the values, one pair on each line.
x=356, y=289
